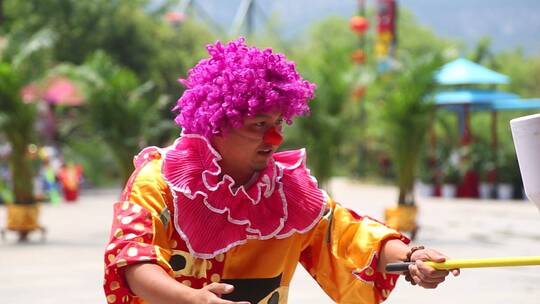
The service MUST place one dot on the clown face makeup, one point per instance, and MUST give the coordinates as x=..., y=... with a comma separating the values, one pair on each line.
x=248, y=149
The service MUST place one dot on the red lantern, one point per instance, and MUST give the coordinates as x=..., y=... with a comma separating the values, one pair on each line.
x=359, y=56
x=174, y=17
x=358, y=24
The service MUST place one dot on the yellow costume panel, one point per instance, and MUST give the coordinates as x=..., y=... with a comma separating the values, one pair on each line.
x=340, y=251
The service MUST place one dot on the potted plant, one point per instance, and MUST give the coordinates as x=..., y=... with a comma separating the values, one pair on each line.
x=483, y=162
x=451, y=178
x=507, y=174
x=487, y=180
x=405, y=119
x=17, y=125
x=427, y=175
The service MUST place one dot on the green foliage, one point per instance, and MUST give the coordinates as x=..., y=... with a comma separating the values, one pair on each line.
x=451, y=174
x=118, y=110
x=507, y=165
x=416, y=40
x=126, y=31
x=405, y=117
x=17, y=124
x=99, y=167
x=323, y=131
x=129, y=111
x=84, y=26
x=16, y=117
x=524, y=72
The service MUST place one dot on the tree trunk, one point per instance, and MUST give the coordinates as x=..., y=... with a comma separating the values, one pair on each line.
x=22, y=177
x=406, y=174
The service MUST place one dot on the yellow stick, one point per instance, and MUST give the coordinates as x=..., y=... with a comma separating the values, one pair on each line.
x=471, y=263
x=489, y=262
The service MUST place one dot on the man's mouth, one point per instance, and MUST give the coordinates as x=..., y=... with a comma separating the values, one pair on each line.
x=265, y=152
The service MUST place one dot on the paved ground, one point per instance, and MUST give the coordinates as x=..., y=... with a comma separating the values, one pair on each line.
x=67, y=268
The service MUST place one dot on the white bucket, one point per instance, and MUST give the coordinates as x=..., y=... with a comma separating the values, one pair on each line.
x=526, y=134
x=448, y=191
x=485, y=190
x=505, y=191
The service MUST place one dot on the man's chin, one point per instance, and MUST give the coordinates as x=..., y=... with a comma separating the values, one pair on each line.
x=260, y=166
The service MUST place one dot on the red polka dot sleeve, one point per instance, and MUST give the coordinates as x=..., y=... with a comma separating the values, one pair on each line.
x=139, y=224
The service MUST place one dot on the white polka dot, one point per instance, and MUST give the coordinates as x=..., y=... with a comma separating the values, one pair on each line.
x=126, y=220
x=132, y=251
x=136, y=208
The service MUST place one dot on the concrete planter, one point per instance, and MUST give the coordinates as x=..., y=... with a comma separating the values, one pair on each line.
x=402, y=218
x=23, y=219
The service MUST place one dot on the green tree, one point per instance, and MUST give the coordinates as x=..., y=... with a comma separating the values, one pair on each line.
x=17, y=120
x=405, y=117
x=323, y=131
x=17, y=123
x=118, y=109
x=19, y=64
x=132, y=35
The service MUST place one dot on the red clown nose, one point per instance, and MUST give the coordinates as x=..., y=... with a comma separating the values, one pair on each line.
x=273, y=137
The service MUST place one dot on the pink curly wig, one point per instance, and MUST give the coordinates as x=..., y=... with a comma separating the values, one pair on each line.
x=238, y=81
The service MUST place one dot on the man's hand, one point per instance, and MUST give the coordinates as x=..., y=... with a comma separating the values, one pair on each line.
x=152, y=283
x=211, y=294
x=427, y=276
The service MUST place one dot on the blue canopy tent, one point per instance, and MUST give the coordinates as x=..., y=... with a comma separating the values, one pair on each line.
x=516, y=104
x=463, y=71
x=462, y=100
x=457, y=77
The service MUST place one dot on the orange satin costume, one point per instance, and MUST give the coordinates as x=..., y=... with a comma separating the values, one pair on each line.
x=339, y=250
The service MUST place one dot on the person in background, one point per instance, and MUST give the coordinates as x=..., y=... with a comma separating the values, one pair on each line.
x=70, y=176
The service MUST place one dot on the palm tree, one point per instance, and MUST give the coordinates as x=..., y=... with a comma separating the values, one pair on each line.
x=17, y=120
x=323, y=132
x=405, y=120
x=116, y=108
x=17, y=123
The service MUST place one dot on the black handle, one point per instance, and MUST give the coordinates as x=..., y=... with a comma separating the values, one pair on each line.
x=398, y=267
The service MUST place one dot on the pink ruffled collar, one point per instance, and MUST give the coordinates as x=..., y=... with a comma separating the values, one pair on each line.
x=212, y=215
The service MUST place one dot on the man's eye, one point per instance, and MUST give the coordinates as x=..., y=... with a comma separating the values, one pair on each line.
x=279, y=122
x=260, y=124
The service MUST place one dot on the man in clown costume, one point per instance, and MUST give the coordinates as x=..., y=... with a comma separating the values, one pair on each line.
x=221, y=217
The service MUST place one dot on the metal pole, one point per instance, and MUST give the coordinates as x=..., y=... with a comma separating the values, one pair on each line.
x=241, y=14
x=250, y=23
x=362, y=115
